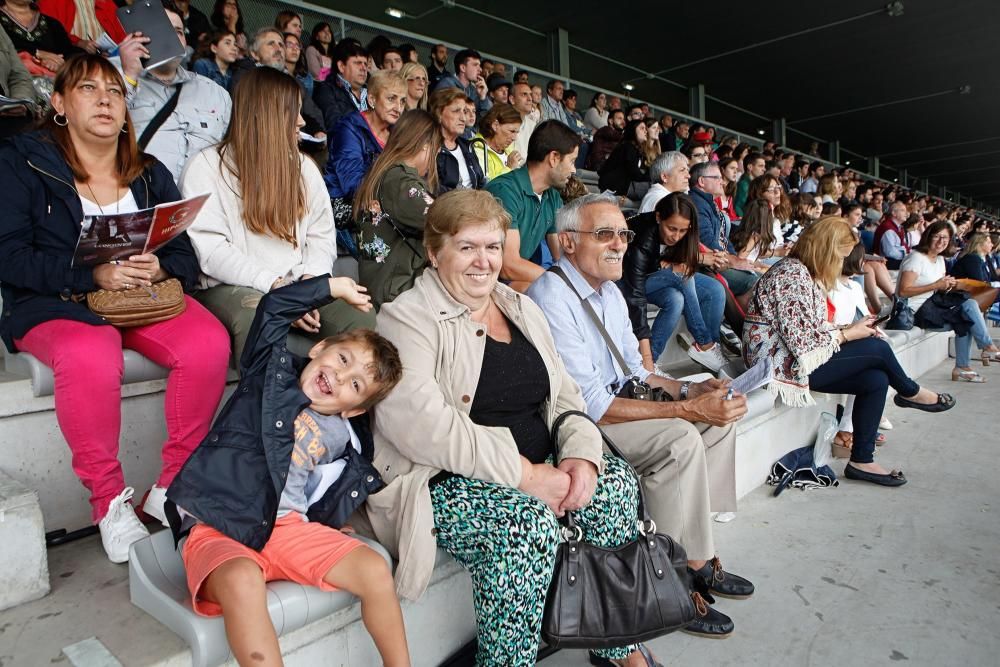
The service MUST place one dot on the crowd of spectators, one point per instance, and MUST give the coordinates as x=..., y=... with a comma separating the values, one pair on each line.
x=504, y=293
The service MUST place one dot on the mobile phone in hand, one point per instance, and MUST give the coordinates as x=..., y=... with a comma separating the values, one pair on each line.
x=881, y=320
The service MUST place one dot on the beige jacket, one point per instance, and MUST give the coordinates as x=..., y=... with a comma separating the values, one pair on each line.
x=423, y=427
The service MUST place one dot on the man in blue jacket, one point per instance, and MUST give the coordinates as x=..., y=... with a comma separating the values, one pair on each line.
x=713, y=230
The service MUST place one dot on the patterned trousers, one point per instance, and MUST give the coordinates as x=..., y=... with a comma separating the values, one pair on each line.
x=507, y=541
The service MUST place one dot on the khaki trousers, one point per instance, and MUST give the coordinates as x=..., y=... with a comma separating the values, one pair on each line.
x=687, y=471
x=235, y=307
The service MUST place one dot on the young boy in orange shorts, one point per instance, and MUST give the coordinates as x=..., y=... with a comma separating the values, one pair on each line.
x=280, y=472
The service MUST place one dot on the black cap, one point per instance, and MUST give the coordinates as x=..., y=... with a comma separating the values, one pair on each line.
x=495, y=81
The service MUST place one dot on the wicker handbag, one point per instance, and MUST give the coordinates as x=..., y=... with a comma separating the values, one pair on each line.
x=139, y=306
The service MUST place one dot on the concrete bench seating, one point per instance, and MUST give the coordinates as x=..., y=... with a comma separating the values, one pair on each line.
x=137, y=369
x=158, y=586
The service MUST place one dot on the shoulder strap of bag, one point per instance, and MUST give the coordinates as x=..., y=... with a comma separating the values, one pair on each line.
x=160, y=118
x=597, y=322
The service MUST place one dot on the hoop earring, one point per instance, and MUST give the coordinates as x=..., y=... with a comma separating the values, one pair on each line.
x=55, y=119
x=125, y=128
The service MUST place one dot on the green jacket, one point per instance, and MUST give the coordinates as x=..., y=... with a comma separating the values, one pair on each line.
x=14, y=78
x=742, y=192
x=390, y=235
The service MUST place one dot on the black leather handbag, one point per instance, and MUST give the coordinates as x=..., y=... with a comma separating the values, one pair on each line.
x=607, y=598
x=901, y=316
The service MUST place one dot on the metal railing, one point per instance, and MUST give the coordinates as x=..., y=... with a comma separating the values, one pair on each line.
x=258, y=13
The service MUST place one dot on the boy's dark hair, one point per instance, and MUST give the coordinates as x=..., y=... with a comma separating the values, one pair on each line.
x=386, y=367
x=551, y=135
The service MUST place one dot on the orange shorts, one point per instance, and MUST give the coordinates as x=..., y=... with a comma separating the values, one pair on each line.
x=299, y=551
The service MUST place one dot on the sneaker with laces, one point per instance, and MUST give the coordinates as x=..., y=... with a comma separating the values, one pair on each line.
x=711, y=358
x=153, y=505
x=120, y=527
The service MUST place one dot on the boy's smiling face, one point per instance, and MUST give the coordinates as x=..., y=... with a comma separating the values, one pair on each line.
x=339, y=378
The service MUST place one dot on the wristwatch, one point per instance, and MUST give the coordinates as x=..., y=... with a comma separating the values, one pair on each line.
x=685, y=388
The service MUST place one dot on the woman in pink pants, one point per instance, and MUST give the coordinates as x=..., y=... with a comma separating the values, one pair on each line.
x=84, y=162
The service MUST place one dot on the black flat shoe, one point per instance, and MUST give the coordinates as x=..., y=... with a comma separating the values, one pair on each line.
x=709, y=623
x=721, y=583
x=944, y=402
x=894, y=478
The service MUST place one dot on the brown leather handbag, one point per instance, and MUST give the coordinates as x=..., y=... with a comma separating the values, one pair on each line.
x=605, y=598
x=139, y=306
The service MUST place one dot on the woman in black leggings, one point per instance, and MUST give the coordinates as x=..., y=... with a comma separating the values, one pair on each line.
x=789, y=320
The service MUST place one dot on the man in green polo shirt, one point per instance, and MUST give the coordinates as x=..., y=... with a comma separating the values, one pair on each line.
x=531, y=196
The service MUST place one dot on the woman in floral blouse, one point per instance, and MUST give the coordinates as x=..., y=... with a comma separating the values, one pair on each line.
x=790, y=320
x=391, y=204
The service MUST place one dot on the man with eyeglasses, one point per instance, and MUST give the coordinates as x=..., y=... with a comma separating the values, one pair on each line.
x=200, y=116
x=713, y=232
x=683, y=450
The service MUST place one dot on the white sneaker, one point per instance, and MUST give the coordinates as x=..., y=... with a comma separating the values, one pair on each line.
x=120, y=527
x=154, y=504
x=711, y=359
x=885, y=424
x=725, y=517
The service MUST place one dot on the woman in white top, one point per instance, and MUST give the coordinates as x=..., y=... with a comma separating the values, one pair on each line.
x=922, y=274
x=268, y=221
x=597, y=115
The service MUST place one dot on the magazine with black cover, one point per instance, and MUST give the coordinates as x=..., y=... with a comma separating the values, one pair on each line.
x=150, y=18
x=117, y=236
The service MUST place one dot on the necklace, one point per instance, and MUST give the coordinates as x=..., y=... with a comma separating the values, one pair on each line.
x=99, y=207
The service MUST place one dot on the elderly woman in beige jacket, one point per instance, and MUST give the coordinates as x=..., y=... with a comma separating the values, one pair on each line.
x=463, y=441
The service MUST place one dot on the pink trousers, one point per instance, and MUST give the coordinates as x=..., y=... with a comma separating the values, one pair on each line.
x=86, y=363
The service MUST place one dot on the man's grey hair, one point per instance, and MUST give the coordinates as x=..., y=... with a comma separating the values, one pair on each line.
x=664, y=164
x=699, y=171
x=259, y=35
x=568, y=217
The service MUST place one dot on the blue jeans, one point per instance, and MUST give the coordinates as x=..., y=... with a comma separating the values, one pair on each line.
x=740, y=281
x=963, y=344
x=701, y=298
x=865, y=368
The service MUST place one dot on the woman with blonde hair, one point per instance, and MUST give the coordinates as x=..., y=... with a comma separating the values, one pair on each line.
x=268, y=221
x=497, y=131
x=391, y=204
x=829, y=189
x=415, y=76
x=790, y=321
x=356, y=141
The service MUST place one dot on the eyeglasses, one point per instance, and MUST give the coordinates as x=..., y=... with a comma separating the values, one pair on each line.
x=776, y=189
x=417, y=78
x=607, y=234
x=941, y=237
x=707, y=176
x=694, y=155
